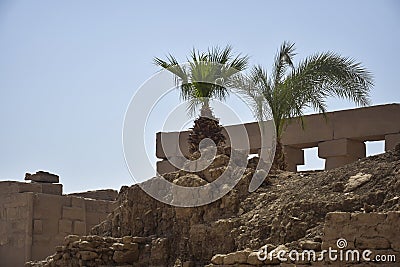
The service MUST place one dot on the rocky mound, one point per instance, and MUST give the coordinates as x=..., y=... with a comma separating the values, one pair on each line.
x=287, y=209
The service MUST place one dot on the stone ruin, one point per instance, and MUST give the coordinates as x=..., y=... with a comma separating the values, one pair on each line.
x=310, y=210
x=35, y=217
x=300, y=211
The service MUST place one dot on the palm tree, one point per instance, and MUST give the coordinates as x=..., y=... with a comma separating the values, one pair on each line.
x=290, y=89
x=205, y=77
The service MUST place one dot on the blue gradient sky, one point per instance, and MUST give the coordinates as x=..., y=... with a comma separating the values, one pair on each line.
x=68, y=69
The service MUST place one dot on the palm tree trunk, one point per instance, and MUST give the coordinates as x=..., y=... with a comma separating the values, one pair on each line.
x=206, y=126
x=279, y=162
x=206, y=111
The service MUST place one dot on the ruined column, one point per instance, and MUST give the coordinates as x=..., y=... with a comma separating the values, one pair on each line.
x=391, y=140
x=294, y=156
x=340, y=152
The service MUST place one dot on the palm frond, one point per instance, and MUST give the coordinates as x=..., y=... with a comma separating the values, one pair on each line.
x=207, y=75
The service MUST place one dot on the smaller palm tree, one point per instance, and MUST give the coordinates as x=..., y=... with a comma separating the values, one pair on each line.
x=205, y=77
x=290, y=89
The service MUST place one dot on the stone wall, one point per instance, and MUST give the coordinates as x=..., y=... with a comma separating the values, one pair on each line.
x=377, y=232
x=107, y=251
x=339, y=136
x=102, y=194
x=35, y=217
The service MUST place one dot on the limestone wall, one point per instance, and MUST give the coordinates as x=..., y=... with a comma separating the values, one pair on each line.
x=377, y=232
x=35, y=217
x=339, y=136
x=15, y=227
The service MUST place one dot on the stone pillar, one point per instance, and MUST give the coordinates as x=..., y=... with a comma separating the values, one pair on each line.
x=340, y=152
x=391, y=140
x=294, y=156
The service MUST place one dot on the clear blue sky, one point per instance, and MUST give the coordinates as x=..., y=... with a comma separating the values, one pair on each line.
x=68, y=69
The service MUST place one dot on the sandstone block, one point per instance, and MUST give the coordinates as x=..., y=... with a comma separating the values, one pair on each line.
x=52, y=189
x=30, y=187
x=127, y=239
x=356, y=181
x=372, y=243
x=341, y=147
x=65, y=226
x=88, y=255
x=337, y=217
x=129, y=256
x=236, y=257
x=79, y=228
x=218, y=259
x=391, y=140
x=253, y=259
x=73, y=213
x=164, y=166
x=78, y=202
x=335, y=162
x=37, y=226
x=368, y=218
x=43, y=177
x=311, y=245
x=294, y=156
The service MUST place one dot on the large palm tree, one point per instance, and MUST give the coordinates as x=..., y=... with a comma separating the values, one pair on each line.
x=205, y=76
x=289, y=90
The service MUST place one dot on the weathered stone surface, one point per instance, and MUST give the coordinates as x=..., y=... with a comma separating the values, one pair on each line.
x=236, y=257
x=311, y=245
x=190, y=180
x=356, y=181
x=218, y=259
x=129, y=256
x=253, y=259
x=372, y=243
x=88, y=255
x=289, y=208
x=43, y=177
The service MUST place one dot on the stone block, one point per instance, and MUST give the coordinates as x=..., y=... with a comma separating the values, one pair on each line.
x=372, y=243
x=337, y=217
x=183, y=144
x=164, y=166
x=12, y=213
x=52, y=189
x=293, y=156
x=78, y=202
x=391, y=140
x=335, y=162
x=371, y=219
x=166, y=144
x=79, y=228
x=103, y=194
x=30, y=187
x=316, y=129
x=73, y=213
x=253, y=259
x=340, y=148
x=44, y=205
x=129, y=256
x=65, y=226
x=42, y=177
x=236, y=257
x=37, y=226
x=367, y=124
